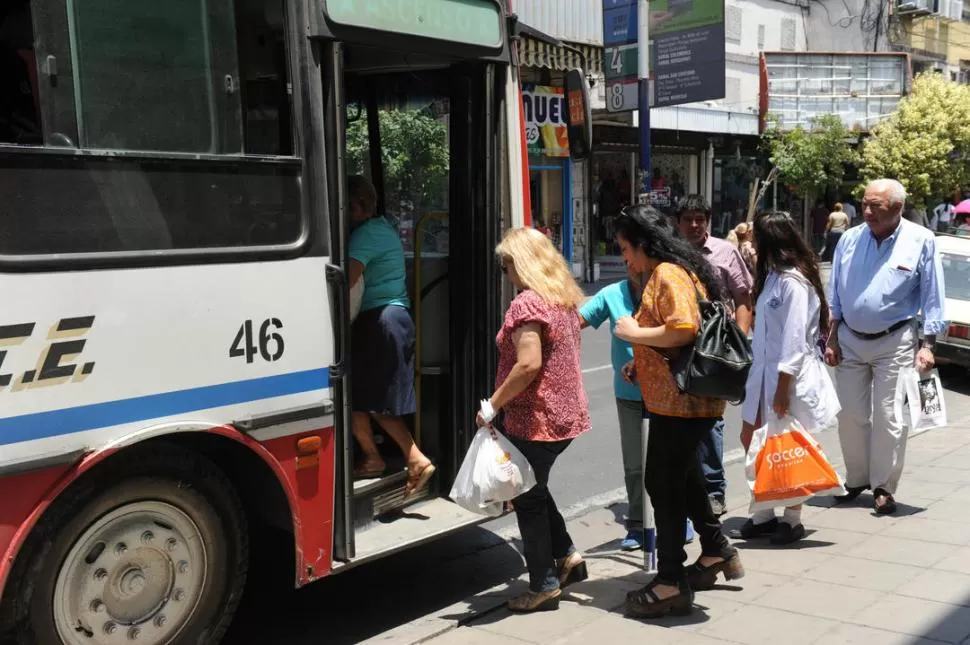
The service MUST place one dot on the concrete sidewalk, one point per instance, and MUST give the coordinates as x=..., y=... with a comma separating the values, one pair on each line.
x=856, y=577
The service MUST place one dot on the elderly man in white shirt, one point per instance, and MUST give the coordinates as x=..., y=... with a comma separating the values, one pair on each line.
x=883, y=275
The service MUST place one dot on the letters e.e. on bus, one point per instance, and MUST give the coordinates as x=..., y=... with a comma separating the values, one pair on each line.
x=175, y=329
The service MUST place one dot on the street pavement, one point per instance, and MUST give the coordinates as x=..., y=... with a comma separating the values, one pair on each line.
x=856, y=577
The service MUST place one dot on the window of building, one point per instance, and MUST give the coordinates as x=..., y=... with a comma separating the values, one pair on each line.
x=788, y=35
x=732, y=24
x=732, y=92
x=134, y=126
x=761, y=37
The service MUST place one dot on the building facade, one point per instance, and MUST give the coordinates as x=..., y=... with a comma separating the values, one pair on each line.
x=711, y=148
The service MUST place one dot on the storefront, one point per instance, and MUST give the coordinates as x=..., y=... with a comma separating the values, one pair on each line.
x=735, y=178
x=550, y=168
x=558, y=185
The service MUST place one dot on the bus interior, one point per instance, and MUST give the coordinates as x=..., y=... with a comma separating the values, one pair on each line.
x=425, y=130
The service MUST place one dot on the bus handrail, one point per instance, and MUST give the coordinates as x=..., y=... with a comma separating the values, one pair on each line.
x=418, y=229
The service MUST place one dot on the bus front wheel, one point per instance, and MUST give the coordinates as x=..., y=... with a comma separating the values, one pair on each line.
x=156, y=554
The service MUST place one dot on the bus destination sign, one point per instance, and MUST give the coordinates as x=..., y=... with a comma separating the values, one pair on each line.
x=470, y=22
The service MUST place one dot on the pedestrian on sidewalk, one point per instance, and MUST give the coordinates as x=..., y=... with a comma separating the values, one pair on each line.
x=837, y=225
x=539, y=386
x=694, y=221
x=788, y=376
x=883, y=275
x=668, y=321
x=613, y=302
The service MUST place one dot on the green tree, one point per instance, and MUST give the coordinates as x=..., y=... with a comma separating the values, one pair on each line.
x=814, y=159
x=925, y=143
x=414, y=153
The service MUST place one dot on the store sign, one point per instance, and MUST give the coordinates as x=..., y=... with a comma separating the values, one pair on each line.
x=660, y=197
x=580, y=115
x=546, y=120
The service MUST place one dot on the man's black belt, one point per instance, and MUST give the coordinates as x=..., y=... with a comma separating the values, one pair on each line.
x=880, y=334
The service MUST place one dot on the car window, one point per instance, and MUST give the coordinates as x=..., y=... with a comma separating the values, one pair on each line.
x=956, y=275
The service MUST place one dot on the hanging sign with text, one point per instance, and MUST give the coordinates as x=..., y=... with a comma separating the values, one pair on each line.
x=687, y=56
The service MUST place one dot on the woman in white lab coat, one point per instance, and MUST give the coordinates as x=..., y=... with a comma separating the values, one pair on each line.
x=788, y=375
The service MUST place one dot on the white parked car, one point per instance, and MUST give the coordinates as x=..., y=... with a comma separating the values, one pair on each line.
x=953, y=347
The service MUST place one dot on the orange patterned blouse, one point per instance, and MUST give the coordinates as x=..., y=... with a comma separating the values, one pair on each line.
x=669, y=299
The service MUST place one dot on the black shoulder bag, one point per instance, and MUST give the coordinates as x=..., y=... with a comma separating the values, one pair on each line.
x=717, y=364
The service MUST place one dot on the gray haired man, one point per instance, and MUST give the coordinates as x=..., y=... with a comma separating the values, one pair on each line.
x=883, y=274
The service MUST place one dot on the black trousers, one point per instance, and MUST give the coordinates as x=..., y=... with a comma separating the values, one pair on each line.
x=676, y=487
x=543, y=529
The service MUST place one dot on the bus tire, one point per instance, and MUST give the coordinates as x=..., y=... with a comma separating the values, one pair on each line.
x=154, y=547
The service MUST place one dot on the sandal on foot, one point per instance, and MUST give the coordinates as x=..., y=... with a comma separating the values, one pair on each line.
x=644, y=603
x=888, y=506
x=418, y=479
x=851, y=493
x=572, y=569
x=532, y=601
x=703, y=578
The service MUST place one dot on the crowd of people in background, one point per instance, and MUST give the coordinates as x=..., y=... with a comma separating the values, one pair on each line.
x=884, y=273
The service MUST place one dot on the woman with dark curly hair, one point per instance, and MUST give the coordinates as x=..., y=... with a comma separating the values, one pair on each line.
x=668, y=320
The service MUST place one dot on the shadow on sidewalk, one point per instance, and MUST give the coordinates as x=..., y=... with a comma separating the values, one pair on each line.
x=606, y=594
x=367, y=601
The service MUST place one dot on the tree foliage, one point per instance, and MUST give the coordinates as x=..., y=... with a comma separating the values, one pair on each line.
x=815, y=159
x=924, y=144
x=414, y=153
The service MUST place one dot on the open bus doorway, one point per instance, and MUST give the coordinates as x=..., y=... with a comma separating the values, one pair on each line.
x=416, y=126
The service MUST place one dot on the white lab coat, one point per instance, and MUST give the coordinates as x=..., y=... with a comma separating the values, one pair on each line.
x=785, y=333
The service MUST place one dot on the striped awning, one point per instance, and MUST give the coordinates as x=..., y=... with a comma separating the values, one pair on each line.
x=535, y=53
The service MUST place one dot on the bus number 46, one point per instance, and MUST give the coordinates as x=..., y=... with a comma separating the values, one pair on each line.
x=269, y=339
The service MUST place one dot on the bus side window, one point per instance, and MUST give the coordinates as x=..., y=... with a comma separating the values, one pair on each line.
x=19, y=106
x=137, y=85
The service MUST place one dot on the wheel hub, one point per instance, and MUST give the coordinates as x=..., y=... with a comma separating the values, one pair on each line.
x=135, y=575
x=138, y=586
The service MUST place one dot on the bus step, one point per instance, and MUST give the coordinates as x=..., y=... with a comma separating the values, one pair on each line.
x=383, y=499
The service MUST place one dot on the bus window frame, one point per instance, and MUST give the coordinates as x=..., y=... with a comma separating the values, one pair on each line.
x=313, y=239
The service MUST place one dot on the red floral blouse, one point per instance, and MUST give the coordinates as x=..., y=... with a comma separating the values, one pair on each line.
x=554, y=407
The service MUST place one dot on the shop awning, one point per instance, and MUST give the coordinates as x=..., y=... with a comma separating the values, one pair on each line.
x=535, y=53
x=538, y=49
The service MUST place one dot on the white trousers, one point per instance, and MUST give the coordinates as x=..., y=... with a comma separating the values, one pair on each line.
x=873, y=440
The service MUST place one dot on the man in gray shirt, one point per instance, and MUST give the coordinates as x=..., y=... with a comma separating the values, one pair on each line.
x=694, y=222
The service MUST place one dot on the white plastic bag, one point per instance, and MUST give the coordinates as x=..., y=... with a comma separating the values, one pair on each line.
x=493, y=472
x=921, y=395
x=785, y=466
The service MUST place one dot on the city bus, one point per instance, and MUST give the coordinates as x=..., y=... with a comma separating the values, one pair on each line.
x=175, y=329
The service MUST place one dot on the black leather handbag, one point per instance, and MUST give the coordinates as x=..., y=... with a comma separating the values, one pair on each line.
x=717, y=364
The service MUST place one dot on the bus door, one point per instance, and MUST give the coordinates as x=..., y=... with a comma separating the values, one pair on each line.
x=424, y=127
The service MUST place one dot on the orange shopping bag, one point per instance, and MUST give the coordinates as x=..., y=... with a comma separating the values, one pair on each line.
x=786, y=466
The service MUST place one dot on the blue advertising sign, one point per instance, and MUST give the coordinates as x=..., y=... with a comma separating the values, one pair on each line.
x=620, y=24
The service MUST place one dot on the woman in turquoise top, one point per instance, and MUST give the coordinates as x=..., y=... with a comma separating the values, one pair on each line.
x=382, y=339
